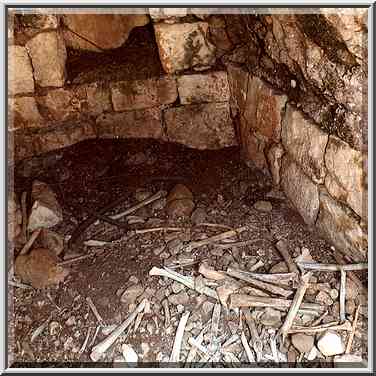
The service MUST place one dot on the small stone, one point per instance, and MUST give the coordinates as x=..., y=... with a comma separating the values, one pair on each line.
x=133, y=279
x=142, y=194
x=334, y=294
x=207, y=308
x=265, y=206
x=174, y=246
x=54, y=328
x=129, y=355
x=281, y=267
x=130, y=295
x=68, y=343
x=350, y=306
x=303, y=342
x=345, y=359
x=181, y=298
x=180, y=308
x=271, y=317
x=324, y=298
x=164, y=255
x=71, y=321
x=177, y=287
x=312, y=355
x=198, y=216
x=180, y=202
x=330, y=343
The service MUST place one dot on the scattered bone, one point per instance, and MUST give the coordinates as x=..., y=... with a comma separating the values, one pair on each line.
x=102, y=347
x=316, y=329
x=95, y=311
x=140, y=205
x=214, y=326
x=256, y=266
x=213, y=239
x=341, y=260
x=129, y=355
x=166, y=309
x=210, y=273
x=295, y=305
x=239, y=244
x=352, y=332
x=96, y=243
x=186, y=281
x=20, y=285
x=262, y=285
x=303, y=342
x=83, y=347
x=228, y=287
x=175, y=354
x=155, y=229
x=95, y=335
x=273, y=345
x=247, y=349
x=193, y=350
x=282, y=247
x=30, y=242
x=332, y=267
x=272, y=278
x=38, y=331
x=255, y=338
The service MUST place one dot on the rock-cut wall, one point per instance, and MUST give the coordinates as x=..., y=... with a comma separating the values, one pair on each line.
x=289, y=87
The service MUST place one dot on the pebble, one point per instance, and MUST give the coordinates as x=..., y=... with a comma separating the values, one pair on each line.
x=176, y=287
x=303, y=342
x=324, y=298
x=129, y=355
x=198, y=216
x=54, y=327
x=130, y=295
x=330, y=343
x=180, y=298
x=264, y=206
x=312, y=355
x=71, y=321
x=133, y=280
x=180, y=308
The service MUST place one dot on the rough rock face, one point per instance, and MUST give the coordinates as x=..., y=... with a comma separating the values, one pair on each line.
x=168, y=15
x=139, y=123
x=48, y=56
x=301, y=191
x=183, y=46
x=199, y=88
x=20, y=74
x=345, y=179
x=23, y=112
x=260, y=120
x=201, y=126
x=105, y=31
x=14, y=217
x=305, y=143
x=340, y=227
x=137, y=95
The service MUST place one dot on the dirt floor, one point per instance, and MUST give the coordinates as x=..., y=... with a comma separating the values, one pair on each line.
x=51, y=324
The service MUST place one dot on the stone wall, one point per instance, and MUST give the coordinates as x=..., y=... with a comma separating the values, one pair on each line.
x=289, y=88
x=46, y=112
x=300, y=100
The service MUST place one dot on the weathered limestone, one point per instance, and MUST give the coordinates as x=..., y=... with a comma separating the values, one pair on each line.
x=345, y=179
x=98, y=98
x=263, y=109
x=301, y=191
x=168, y=15
x=201, y=126
x=341, y=228
x=63, y=104
x=48, y=56
x=46, y=211
x=137, y=95
x=105, y=31
x=260, y=122
x=20, y=72
x=238, y=84
x=200, y=88
x=183, y=46
x=305, y=143
x=139, y=124
x=23, y=112
x=274, y=157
